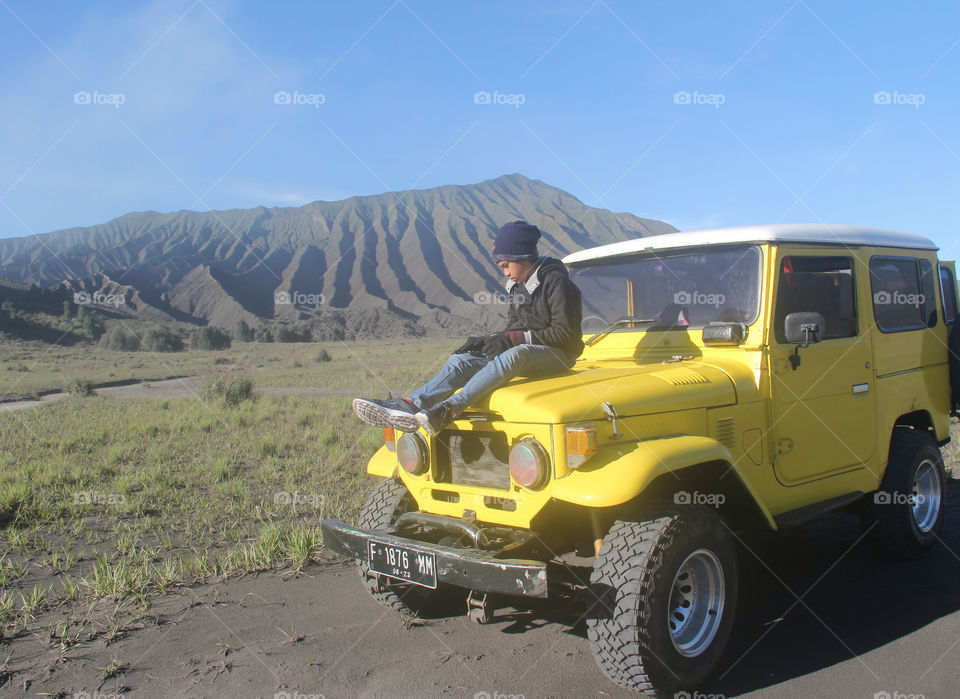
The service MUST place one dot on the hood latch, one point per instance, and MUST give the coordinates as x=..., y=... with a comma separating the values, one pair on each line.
x=611, y=414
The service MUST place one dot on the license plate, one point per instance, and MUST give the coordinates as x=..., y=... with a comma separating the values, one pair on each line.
x=402, y=563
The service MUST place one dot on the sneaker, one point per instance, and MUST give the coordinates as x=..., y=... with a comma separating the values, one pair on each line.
x=434, y=419
x=382, y=413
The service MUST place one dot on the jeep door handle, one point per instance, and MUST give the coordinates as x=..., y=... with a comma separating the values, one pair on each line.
x=859, y=388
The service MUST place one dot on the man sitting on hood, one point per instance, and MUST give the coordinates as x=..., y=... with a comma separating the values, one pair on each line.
x=543, y=336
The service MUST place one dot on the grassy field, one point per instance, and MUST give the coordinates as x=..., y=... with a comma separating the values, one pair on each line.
x=31, y=368
x=106, y=502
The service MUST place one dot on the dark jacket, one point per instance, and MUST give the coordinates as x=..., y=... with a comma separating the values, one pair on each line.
x=547, y=308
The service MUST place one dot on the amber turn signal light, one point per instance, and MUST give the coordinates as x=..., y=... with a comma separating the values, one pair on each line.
x=390, y=438
x=581, y=443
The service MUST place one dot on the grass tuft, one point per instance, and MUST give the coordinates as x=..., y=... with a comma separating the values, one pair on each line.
x=232, y=391
x=80, y=388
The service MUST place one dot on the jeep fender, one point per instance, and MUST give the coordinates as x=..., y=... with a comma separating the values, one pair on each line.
x=619, y=473
x=383, y=463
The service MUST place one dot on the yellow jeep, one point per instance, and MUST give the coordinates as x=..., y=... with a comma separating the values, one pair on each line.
x=733, y=379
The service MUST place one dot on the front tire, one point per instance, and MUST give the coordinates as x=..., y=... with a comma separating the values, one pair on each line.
x=664, y=593
x=386, y=503
x=906, y=514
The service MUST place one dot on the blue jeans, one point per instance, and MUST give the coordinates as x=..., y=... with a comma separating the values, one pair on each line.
x=476, y=376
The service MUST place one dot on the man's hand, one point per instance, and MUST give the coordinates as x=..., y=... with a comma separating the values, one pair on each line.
x=473, y=344
x=496, y=344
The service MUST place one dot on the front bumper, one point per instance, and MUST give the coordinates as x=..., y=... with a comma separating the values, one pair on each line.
x=471, y=569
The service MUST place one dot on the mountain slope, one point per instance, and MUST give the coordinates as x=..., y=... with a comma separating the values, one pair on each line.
x=419, y=257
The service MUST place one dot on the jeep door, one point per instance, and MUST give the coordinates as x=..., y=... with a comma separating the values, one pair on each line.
x=822, y=395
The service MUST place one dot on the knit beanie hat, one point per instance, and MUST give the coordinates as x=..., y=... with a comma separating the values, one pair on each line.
x=516, y=241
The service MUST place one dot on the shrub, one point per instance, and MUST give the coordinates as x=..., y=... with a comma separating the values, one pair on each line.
x=209, y=338
x=79, y=388
x=92, y=325
x=322, y=356
x=231, y=390
x=243, y=333
x=162, y=339
x=298, y=333
x=263, y=334
x=118, y=338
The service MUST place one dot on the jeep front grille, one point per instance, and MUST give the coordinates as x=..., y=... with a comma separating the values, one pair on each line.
x=474, y=458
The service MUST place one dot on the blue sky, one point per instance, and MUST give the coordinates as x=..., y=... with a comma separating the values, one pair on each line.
x=697, y=113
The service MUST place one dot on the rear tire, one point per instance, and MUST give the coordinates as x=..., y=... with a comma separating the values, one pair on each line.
x=386, y=503
x=664, y=594
x=906, y=514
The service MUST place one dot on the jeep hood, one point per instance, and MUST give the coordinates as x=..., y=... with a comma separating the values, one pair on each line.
x=632, y=389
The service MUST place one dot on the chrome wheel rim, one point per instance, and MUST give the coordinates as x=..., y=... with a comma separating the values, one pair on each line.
x=696, y=603
x=926, y=496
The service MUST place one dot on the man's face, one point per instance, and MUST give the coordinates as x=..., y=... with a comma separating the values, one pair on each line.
x=516, y=271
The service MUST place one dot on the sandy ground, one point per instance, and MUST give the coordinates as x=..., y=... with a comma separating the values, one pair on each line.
x=819, y=615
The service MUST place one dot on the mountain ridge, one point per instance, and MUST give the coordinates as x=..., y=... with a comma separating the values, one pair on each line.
x=416, y=260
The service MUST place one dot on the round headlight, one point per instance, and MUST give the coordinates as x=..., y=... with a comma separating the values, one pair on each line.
x=412, y=453
x=529, y=464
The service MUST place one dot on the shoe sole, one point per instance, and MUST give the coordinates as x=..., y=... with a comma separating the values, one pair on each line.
x=404, y=422
x=424, y=422
x=377, y=415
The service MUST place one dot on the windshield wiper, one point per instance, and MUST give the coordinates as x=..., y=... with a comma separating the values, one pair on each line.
x=621, y=321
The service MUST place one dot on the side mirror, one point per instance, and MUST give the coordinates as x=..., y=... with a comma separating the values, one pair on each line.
x=724, y=334
x=804, y=328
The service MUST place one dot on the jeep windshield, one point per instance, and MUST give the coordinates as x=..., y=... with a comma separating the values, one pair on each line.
x=667, y=290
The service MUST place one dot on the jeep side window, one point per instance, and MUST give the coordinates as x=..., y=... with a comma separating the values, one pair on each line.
x=904, y=293
x=821, y=285
x=948, y=289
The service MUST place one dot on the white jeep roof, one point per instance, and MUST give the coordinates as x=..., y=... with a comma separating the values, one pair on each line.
x=820, y=233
